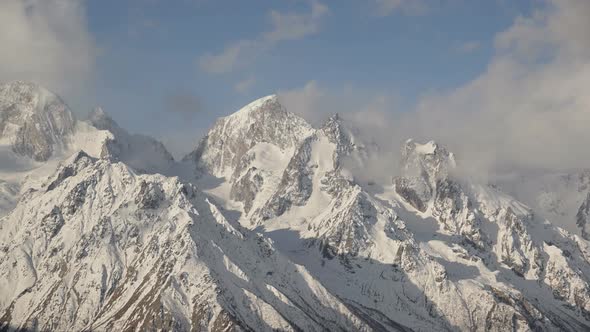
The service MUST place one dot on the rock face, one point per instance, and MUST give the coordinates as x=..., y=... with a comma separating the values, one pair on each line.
x=33, y=121
x=272, y=231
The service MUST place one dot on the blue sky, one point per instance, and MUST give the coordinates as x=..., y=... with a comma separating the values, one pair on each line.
x=151, y=53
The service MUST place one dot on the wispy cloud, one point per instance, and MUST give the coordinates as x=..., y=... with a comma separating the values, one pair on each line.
x=227, y=60
x=245, y=85
x=285, y=26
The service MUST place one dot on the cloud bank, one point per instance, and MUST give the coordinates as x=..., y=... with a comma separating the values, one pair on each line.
x=530, y=108
x=46, y=41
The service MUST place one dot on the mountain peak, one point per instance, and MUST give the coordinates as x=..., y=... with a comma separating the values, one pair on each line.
x=430, y=155
x=21, y=85
x=333, y=121
x=338, y=132
x=270, y=102
x=264, y=120
x=334, y=117
x=429, y=147
x=423, y=165
x=35, y=121
x=30, y=97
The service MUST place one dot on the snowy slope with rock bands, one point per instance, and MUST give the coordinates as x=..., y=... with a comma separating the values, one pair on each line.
x=99, y=247
x=264, y=227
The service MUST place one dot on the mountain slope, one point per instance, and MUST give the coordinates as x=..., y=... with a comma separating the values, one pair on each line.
x=99, y=247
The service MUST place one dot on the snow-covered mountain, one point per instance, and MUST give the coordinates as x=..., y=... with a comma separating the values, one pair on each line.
x=263, y=227
x=321, y=218
x=38, y=131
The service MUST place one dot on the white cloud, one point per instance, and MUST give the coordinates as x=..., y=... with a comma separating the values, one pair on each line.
x=245, y=85
x=562, y=26
x=285, y=26
x=531, y=107
x=46, y=41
